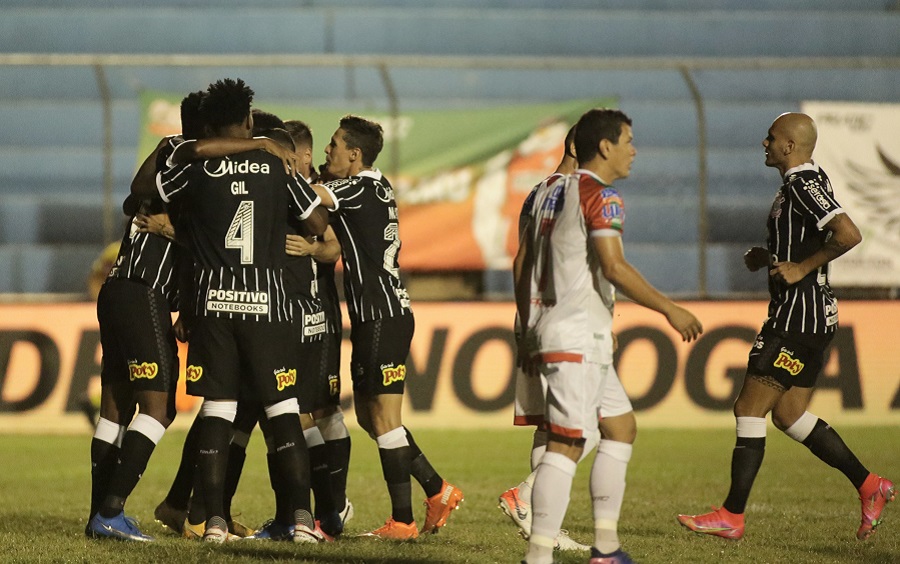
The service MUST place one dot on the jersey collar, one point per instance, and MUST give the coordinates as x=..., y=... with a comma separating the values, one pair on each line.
x=589, y=173
x=373, y=173
x=805, y=166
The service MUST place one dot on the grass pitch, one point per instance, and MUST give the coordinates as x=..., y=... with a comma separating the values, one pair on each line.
x=801, y=511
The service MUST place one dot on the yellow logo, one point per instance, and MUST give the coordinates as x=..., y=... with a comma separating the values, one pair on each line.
x=193, y=373
x=147, y=370
x=789, y=363
x=334, y=385
x=285, y=379
x=392, y=374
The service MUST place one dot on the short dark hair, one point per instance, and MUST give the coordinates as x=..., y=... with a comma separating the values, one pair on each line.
x=300, y=132
x=570, y=138
x=365, y=135
x=280, y=136
x=263, y=121
x=594, y=126
x=192, y=126
x=227, y=102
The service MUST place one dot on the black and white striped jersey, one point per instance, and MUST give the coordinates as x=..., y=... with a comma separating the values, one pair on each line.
x=796, y=230
x=328, y=293
x=367, y=228
x=306, y=306
x=149, y=259
x=236, y=211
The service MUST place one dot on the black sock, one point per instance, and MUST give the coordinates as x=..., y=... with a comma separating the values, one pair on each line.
x=824, y=442
x=292, y=458
x=179, y=494
x=133, y=457
x=338, y=463
x=395, y=466
x=236, y=457
x=283, y=511
x=422, y=470
x=746, y=459
x=212, y=460
x=320, y=478
x=103, y=461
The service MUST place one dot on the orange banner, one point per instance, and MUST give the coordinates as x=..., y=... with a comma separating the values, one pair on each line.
x=460, y=371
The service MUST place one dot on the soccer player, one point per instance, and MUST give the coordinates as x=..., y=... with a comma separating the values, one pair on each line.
x=807, y=229
x=140, y=365
x=241, y=345
x=381, y=322
x=618, y=426
x=572, y=259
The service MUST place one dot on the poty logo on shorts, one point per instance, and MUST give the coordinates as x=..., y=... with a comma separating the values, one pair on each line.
x=393, y=374
x=334, y=385
x=193, y=373
x=147, y=370
x=231, y=167
x=789, y=363
x=285, y=379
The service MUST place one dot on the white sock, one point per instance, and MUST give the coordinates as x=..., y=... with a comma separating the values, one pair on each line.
x=608, y=492
x=549, y=501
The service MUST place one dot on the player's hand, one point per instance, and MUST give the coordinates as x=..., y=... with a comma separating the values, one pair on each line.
x=685, y=323
x=157, y=224
x=289, y=159
x=787, y=273
x=756, y=258
x=299, y=246
x=182, y=328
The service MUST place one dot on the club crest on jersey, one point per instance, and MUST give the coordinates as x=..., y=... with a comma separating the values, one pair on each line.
x=193, y=373
x=776, y=206
x=227, y=166
x=147, y=370
x=286, y=378
x=393, y=374
x=789, y=363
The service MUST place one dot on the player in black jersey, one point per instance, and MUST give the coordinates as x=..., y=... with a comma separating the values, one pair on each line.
x=241, y=345
x=140, y=363
x=807, y=229
x=381, y=321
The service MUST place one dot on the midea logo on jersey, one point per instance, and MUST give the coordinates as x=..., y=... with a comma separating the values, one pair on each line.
x=231, y=167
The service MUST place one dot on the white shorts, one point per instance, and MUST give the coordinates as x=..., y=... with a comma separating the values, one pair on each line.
x=531, y=398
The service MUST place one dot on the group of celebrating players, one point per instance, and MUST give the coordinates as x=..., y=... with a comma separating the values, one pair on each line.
x=232, y=227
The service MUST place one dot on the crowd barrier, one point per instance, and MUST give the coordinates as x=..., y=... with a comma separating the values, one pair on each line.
x=461, y=368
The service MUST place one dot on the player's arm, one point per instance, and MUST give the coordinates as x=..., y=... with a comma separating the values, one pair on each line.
x=325, y=249
x=631, y=283
x=216, y=147
x=844, y=236
x=523, y=265
x=157, y=224
x=329, y=200
x=756, y=258
x=143, y=185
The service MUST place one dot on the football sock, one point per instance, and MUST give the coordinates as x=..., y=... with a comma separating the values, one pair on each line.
x=746, y=459
x=422, y=470
x=104, y=454
x=237, y=454
x=337, y=445
x=180, y=491
x=395, y=454
x=283, y=513
x=549, y=501
x=320, y=477
x=538, y=447
x=526, y=487
x=824, y=442
x=212, y=460
x=137, y=447
x=292, y=456
x=608, y=492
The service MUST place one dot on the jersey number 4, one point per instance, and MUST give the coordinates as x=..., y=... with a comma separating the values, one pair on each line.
x=240, y=232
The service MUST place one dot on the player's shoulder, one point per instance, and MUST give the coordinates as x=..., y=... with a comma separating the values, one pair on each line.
x=805, y=174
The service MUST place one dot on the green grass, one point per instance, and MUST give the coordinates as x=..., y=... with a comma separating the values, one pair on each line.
x=801, y=511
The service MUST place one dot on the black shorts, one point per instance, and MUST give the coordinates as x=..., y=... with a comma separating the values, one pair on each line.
x=793, y=359
x=242, y=359
x=380, y=350
x=320, y=375
x=136, y=336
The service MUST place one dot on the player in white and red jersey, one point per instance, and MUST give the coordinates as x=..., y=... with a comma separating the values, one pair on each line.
x=571, y=260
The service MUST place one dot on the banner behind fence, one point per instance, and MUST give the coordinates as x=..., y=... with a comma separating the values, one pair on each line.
x=460, y=372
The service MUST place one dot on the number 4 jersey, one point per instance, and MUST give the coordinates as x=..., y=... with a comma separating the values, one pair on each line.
x=236, y=210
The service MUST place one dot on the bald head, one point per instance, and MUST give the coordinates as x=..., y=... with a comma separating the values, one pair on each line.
x=791, y=141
